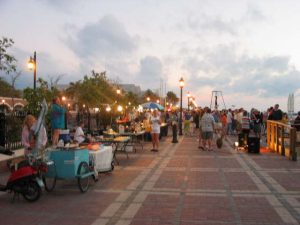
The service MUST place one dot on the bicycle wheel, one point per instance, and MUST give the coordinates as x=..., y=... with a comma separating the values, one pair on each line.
x=49, y=179
x=49, y=183
x=83, y=182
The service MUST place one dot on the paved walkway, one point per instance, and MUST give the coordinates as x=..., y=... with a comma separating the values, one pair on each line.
x=179, y=185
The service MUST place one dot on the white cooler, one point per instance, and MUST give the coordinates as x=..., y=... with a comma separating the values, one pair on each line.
x=102, y=159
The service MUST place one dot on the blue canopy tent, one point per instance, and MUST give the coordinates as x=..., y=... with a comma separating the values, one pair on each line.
x=152, y=105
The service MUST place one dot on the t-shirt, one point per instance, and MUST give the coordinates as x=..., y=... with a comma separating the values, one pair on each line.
x=155, y=120
x=78, y=135
x=245, y=123
x=277, y=115
x=207, y=123
x=229, y=117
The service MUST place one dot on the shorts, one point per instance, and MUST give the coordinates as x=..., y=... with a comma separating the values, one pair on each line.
x=206, y=135
x=155, y=131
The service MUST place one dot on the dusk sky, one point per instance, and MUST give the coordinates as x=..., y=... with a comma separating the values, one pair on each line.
x=249, y=50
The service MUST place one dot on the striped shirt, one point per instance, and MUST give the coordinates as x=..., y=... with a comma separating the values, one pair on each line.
x=245, y=123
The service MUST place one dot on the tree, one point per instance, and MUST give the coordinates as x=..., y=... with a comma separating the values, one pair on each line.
x=7, y=61
x=132, y=98
x=148, y=93
x=172, y=98
x=7, y=90
x=92, y=91
x=35, y=97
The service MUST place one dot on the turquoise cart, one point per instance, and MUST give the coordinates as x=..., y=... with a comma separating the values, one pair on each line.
x=67, y=165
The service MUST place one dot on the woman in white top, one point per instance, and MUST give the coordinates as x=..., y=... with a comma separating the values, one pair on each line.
x=155, y=125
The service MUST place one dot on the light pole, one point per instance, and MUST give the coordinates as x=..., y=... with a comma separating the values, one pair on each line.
x=32, y=66
x=188, y=96
x=181, y=85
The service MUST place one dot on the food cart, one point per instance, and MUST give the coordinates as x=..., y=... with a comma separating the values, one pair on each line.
x=69, y=164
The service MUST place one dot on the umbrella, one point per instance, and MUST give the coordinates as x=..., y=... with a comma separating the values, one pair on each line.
x=152, y=105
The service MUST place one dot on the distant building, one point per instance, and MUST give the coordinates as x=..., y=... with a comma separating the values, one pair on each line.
x=131, y=88
x=7, y=104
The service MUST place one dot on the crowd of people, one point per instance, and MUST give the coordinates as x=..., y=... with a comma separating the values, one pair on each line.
x=222, y=122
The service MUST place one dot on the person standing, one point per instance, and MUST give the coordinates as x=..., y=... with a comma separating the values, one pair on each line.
x=277, y=113
x=229, y=122
x=256, y=121
x=297, y=122
x=155, y=130
x=57, y=119
x=207, y=128
x=245, y=126
x=28, y=139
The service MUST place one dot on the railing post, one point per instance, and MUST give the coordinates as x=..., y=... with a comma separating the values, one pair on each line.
x=268, y=133
x=282, y=141
x=293, y=139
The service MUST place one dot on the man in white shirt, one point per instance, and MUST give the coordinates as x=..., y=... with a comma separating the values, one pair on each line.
x=229, y=122
x=79, y=134
x=207, y=128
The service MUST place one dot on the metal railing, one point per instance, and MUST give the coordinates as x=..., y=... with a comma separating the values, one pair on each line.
x=282, y=138
x=11, y=129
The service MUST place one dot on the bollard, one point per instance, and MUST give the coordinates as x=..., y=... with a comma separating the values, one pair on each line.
x=174, y=130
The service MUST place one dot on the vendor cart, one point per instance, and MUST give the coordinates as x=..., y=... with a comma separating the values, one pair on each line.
x=68, y=165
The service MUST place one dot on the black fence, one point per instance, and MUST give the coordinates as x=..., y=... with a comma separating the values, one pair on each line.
x=11, y=129
x=11, y=125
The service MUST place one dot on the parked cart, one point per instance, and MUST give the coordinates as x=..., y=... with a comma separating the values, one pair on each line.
x=68, y=165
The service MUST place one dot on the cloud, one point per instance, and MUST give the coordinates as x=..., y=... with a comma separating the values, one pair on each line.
x=220, y=26
x=222, y=68
x=151, y=71
x=254, y=14
x=107, y=37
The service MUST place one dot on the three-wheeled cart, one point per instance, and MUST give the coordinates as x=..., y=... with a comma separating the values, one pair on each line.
x=68, y=165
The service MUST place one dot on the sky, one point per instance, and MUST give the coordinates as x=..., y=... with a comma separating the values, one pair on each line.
x=248, y=50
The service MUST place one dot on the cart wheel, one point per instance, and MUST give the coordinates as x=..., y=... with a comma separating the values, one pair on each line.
x=95, y=178
x=49, y=183
x=83, y=183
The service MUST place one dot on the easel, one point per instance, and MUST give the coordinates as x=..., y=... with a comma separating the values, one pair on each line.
x=215, y=94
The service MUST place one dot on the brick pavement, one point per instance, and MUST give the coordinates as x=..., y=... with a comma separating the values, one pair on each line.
x=179, y=185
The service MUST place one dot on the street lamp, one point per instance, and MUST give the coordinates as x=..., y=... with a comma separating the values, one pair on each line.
x=32, y=66
x=188, y=96
x=181, y=85
x=148, y=99
x=118, y=91
x=120, y=108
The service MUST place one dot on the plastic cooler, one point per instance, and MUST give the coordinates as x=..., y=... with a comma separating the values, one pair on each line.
x=65, y=136
x=66, y=163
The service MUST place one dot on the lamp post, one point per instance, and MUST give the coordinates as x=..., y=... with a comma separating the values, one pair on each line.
x=181, y=85
x=188, y=96
x=32, y=66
